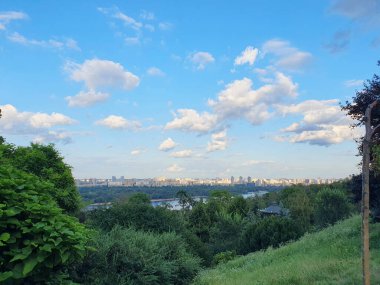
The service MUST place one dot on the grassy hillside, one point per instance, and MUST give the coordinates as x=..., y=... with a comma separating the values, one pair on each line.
x=331, y=256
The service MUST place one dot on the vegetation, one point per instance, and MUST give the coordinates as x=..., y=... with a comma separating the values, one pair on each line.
x=38, y=241
x=331, y=256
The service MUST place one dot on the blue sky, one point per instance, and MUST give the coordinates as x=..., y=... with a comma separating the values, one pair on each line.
x=188, y=89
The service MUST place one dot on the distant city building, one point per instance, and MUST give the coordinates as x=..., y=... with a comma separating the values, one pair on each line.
x=241, y=180
x=113, y=178
x=232, y=180
x=249, y=179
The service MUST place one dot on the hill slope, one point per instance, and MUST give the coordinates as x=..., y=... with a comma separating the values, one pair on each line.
x=331, y=256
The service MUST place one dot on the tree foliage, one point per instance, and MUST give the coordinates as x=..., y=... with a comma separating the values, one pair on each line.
x=127, y=256
x=37, y=240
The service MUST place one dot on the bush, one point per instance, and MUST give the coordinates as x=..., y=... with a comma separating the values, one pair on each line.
x=45, y=162
x=36, y=239
x=224, y=257
x=127, y=256
x=270, y=231
x=331, y=206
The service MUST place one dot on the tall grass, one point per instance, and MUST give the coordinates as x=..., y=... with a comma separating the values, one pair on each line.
x=331, y=256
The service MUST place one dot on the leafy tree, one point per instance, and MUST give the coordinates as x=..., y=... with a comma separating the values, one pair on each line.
x=225, y=233
x=331, y=206
x=270, y=231
x=238, y=206
x=37, y=241
x=45, y=162
x=185, y=200
x=127, y=256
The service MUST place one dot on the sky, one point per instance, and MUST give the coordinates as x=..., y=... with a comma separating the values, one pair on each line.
x=197, y=89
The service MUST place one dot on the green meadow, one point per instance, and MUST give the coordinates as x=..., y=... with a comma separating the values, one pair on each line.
x=331, y=256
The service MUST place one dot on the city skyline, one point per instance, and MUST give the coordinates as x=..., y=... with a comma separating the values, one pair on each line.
x=164, y=90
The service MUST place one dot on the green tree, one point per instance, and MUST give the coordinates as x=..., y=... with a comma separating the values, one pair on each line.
x=37, y=241
x=331, y=206
x=45, y=162
x=127, y=256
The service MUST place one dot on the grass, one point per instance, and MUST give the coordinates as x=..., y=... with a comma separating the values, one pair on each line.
x=331, y=256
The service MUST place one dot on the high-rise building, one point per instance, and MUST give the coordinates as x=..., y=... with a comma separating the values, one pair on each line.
x=241, y=180
x=232, y=180
x=113, y=178
x=249, y=179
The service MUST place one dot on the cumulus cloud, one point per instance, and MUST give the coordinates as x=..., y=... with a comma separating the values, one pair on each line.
x=182, y=153
x=249, y=56
x=175, y=168
x=287, y=56
x=38, y=124
x=240, y=100
x=218, y=141
x=54, y=136
x=102, y=73
x=201, y=59
x=323, y=123
x=191, y=120
x=9, y=16
x=14, y=121
x=118, y=123
x=96, y=73
x=155, y=71
x=86, y=98
x=167, y=145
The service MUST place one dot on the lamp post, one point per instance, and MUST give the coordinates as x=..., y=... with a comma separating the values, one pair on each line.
x=369, y=132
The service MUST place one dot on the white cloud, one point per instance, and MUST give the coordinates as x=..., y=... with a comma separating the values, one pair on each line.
x=249, y=56
x=128, y=21
x=102, y=73
x=154, y=71
x=218, y=141
x=86, y=98
x=51, y=43
x=201, y=59
x=9, y=16
x=182, y=153
x=118, y=122
x=146, y=15
x=167, y=145
x=175, y=168
x=256, y=162
x=191, y=120
x=323, y=123
x=137, y=152
x=14, y=121
x=287, y=56
x=165, y=26
x=54, y=136
x=239, y=100
x=131, y=41
x=354, y=83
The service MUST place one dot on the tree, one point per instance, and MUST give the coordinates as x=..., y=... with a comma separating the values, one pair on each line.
x=37, y=240
x=185, y=200
x=127, y=256
x=45, y=162
x=331, y=206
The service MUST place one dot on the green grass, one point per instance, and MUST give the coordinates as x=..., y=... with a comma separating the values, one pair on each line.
x=331, y=256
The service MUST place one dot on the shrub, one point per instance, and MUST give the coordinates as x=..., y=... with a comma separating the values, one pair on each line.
x=331, y=206
x=36, y=239
x=270, y=231
x=127, y=256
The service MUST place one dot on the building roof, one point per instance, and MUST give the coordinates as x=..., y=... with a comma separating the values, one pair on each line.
x=275, y=209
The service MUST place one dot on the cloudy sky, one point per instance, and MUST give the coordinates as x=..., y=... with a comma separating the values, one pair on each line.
x=201, y=88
